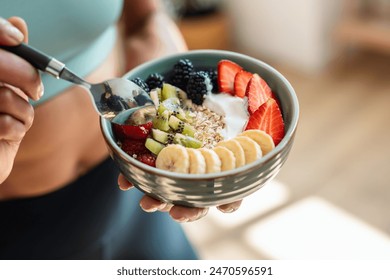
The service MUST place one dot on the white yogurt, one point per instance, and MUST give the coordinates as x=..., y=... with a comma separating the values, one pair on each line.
x=232, y=108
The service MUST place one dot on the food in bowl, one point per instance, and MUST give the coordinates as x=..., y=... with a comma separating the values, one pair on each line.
x=207, y=121
x=208, y=189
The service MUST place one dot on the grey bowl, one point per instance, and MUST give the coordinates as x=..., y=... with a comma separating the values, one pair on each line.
x=210, y=189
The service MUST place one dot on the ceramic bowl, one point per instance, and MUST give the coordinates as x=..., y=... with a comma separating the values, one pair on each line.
x=219, y=188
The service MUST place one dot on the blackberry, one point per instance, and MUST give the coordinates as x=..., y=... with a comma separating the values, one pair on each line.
x=181, y=73
x=198, y=86
x=213, y=75
x=155, y=80
x=141, y=83
x=113, y=102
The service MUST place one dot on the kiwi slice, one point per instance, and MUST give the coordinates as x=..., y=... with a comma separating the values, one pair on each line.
x=168, y=91
x=190, y=116
x=188, y=130
x=180, y=114
x=175, y=123
x=162, y=136
x=161, y=121
x=172, y=105
x=181, y=127
x=154, y=146
x=187, y=141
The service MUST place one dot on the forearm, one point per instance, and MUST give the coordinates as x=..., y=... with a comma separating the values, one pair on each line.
x=155, y=37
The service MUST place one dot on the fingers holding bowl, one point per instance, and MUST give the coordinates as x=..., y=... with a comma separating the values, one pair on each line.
x=184, y=214
x=150, y=204
x=178, y=213
x=230, y=207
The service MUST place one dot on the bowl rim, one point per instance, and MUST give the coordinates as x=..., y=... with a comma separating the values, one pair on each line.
x=289, y=134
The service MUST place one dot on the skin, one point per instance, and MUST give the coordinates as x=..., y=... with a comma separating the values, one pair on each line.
x=40, y=154
x=19, y=81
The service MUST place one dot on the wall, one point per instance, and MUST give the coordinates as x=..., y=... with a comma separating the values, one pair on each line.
x=296, y=32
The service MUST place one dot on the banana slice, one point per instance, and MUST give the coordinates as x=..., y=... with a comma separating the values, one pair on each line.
x=236, y=148
x=173, y=158
x=251, y=149
x=197, y=162
x=228, y=161
x=260, y=137
x=213, y=163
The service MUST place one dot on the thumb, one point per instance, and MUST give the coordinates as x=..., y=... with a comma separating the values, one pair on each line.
x=9, y=34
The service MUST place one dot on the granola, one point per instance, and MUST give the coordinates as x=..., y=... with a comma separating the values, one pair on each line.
x=208, y=124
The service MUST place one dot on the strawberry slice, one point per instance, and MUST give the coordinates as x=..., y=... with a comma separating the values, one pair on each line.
x=258, y=92
x=126, y=131
x=227, y=71
x=148, y=159
x=273, y=95
x=134, y=147
x=269, y=119
x=240, y=83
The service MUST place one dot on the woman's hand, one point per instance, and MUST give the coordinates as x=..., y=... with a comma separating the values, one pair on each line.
x=178, y=213
x=18, y=82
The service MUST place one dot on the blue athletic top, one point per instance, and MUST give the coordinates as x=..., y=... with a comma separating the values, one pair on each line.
x=79, y=33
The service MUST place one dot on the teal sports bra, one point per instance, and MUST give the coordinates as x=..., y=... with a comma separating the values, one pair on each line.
x=79, y=33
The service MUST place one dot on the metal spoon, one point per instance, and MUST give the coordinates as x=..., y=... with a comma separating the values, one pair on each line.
x=110, y=98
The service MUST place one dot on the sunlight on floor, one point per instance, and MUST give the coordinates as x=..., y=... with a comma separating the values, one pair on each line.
x=310, y=228
x=270, y=196
x=210, y=235
x=315, y=229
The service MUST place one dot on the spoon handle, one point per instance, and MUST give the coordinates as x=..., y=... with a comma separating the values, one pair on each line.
x=37, y=59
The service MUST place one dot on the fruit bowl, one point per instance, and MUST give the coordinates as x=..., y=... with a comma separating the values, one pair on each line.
x=212, y=189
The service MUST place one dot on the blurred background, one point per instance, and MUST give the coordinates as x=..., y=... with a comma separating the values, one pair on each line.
x=331, y=200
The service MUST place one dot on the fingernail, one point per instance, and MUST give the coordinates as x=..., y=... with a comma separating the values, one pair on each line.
x=41, y=91
x=182, y=220
x=227, y=210
x=200, y=215
x=167, y=208
x=124, y=188
x=161, y=206
x=14, y=33
x=150, y=210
